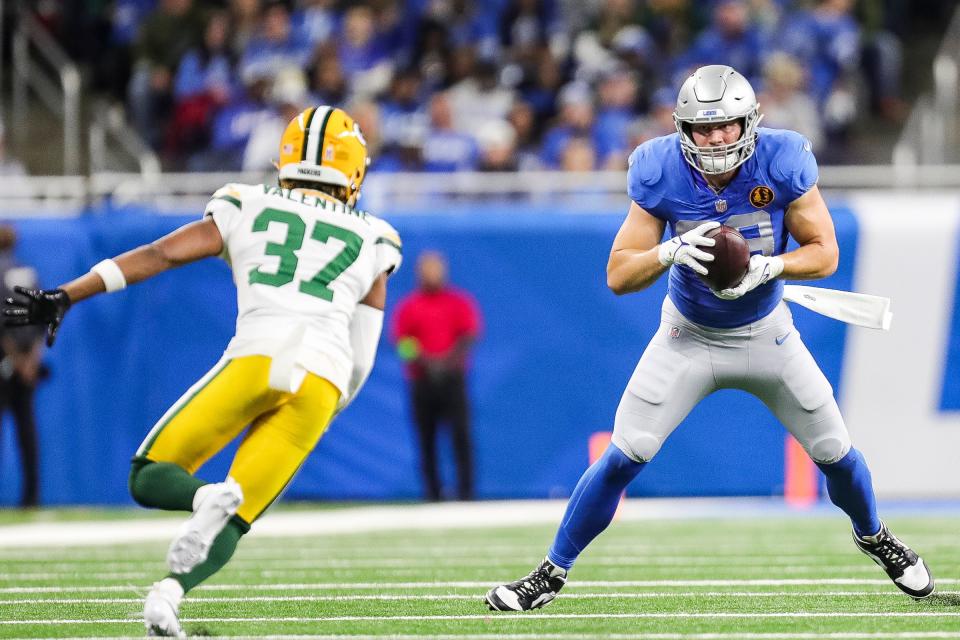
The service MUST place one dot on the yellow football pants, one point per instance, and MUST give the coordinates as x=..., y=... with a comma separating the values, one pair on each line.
x=284, y=427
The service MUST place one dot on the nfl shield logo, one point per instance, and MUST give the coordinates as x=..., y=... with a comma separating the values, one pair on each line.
x=721, y=206
x=674, y=332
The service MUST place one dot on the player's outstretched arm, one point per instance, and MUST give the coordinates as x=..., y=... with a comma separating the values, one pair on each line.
x=808, y=221
x=187, y=244
x=48, y=306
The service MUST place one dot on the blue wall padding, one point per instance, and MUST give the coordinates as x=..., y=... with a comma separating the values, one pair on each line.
x=556, y=352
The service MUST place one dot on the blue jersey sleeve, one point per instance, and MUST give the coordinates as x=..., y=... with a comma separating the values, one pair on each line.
x=794, y=166
x=644, y=176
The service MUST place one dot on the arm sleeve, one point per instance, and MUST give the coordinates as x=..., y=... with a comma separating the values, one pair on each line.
x=365, y=328
x=224, y=207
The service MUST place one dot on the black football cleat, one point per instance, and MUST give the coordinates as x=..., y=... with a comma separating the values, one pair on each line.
x=537, y=589
x=907, y=570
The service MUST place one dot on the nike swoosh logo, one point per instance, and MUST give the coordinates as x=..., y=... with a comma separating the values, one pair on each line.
x=782, y=339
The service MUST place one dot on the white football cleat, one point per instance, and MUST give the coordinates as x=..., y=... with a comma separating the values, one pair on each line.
x=213, y=506
x=907, y=570
x=161, y=609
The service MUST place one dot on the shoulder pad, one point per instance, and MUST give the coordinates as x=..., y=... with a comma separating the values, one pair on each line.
x=388, y=246
x=231, y=192
x=642, y=167
x=645, y=176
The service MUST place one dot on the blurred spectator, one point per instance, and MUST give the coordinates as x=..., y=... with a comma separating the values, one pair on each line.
x=21, y=369
x=540, y=92
x=612, y=17
x=402, y=112
x=245, y=18
x=172, y=29
x=498, y=146
x=315, y=21
x=783, y=101
x=203, y=84
x=882, y=54
x=275, y=47
x=445, y=148
x=730, y=39
x=617, y=95
x=363, y=57
x=672, y=23
x=235, y=123
x=526, y=26
x=466, y=23
x=576, y=120
x=328, y=85
x=659, y=121
x=579, y=155
x=524, y=122
x=404, y=154
x=825, y=40
x=434, y=329
x=9, y=166
x=635, y=49
x=288, y=97
x=480, y=98
x=366, y=113
x=207, y=68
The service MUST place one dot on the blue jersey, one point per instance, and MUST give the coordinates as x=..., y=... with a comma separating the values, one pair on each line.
x=780, y=170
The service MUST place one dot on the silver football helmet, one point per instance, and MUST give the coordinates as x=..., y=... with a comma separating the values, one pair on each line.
x=717, y=93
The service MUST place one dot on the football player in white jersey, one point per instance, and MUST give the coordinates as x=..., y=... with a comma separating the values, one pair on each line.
x=310, y=272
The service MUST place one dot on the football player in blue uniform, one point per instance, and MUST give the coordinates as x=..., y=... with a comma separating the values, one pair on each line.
x=720, y=168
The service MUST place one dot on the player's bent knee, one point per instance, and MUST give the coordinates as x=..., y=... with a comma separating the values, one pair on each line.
x=829, y=450
x=639, y=447
x=135, y=485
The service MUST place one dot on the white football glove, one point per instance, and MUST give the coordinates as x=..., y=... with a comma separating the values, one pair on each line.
x=761, y=270
x=683, y=249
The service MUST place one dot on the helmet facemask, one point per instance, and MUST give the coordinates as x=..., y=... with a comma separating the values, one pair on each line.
x=721, y=158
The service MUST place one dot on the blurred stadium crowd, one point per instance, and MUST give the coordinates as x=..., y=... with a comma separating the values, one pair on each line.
x=492, y=85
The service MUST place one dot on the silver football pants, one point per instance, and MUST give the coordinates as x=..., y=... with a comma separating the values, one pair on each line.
x=686, y=362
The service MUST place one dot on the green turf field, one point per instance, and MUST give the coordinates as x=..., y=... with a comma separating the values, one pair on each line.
x=743, y=578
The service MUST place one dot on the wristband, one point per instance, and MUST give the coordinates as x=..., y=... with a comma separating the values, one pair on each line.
x=110, y=273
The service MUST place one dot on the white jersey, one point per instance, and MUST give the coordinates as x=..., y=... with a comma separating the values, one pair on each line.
x=301, y=264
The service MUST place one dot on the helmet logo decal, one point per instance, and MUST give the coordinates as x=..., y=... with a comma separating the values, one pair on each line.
x=328, y=153
x=288, y=148
x=710, y=113
x=356, y=133
x=761, y=196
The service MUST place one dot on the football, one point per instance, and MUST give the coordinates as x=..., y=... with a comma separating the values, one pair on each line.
x=731, y=256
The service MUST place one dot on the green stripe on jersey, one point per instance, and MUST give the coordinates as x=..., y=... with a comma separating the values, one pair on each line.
x=229, y=199
x=389, y=242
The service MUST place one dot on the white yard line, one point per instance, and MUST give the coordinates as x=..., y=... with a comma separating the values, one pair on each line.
x=243, y=563
x=471, y=515
x=108, y=576
x=477, y=596
x=581, y=584
x=524, y=616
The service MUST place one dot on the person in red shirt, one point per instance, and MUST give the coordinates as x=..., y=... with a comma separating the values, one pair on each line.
x=434, y=328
